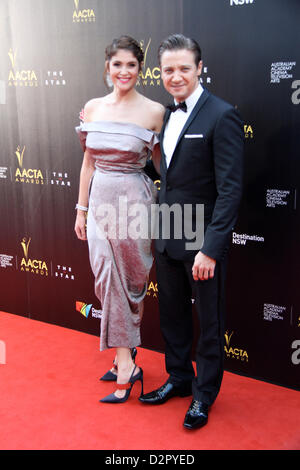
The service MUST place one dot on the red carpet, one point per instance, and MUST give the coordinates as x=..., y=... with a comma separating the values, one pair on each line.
x=49, y=392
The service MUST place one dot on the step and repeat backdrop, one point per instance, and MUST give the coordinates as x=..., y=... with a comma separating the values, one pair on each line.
x=52, y=62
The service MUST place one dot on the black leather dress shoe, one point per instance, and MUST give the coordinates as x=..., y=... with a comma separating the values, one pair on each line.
x=197, y=415
x=165, y=392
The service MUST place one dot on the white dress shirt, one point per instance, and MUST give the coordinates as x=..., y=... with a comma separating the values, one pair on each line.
x=176, y=122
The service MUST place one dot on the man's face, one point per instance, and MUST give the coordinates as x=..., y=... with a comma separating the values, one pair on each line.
x=180, y=73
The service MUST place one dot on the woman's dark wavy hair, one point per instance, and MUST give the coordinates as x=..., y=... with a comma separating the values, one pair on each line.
x=126, y=43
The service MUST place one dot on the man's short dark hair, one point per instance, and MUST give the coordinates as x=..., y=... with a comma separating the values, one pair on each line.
x=177, y=42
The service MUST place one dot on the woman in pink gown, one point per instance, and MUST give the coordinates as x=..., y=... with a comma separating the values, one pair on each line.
x=118, y=134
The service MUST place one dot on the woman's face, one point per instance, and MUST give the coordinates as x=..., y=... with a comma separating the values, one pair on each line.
x=124, y=70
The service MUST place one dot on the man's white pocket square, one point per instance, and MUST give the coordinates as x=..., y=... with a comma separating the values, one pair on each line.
x=193, y=136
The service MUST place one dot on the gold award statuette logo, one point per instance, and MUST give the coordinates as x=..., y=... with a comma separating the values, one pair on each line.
x=33, y=266
x=234, y=352
x=148, y=76
x=86, y=15
x=26, y=175
x=17, y=77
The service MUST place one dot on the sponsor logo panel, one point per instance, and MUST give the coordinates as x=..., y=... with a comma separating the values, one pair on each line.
x=26, y=262
x=23, y=173
x=87, y=309
x=240, y=2
x=282, y=71
x=244, y=238
x=22, y=75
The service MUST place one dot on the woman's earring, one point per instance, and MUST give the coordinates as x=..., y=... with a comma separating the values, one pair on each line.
x=109, y=80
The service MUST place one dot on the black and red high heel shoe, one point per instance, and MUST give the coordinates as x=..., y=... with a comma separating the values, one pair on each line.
x=111, y=376
x=112, y=398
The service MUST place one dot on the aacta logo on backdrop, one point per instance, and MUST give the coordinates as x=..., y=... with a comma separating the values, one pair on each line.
x=152, y=290
x=86, y=15
x=148, y=76
x=248, y=131
x=26, y=175
x=29, y=265
x=20, y=77
x=35, y=175
x=234, y=352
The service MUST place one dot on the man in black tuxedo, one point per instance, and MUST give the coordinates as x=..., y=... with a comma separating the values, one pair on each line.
x=202, y=150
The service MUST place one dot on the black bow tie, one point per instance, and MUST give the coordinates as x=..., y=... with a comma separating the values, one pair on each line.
x=174, y=107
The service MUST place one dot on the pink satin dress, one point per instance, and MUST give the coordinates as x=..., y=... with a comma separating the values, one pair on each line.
x=120, y=259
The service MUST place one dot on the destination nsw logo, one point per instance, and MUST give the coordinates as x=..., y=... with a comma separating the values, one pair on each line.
x=85, y=309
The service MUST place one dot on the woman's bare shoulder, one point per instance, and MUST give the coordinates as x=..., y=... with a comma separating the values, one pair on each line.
x=92, y=106
x=156, y=112
x=154, y=106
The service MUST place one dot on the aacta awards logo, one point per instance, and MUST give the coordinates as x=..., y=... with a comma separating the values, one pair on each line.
x=20, y=77
x=148, y=76
x=234, y=352
x=26, y=175
x=248, y=131
x=152, y=290
x=86, y=15
x=29, y=265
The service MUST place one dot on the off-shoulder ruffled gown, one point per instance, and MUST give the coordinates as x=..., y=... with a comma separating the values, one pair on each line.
x=120, y=260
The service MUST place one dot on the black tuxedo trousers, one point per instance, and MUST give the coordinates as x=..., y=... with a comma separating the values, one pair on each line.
x=176, y=292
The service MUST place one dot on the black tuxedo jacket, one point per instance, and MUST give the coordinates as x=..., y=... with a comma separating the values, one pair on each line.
x=206, y=168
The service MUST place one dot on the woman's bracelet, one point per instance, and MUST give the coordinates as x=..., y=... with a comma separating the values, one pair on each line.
x=82, y=208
